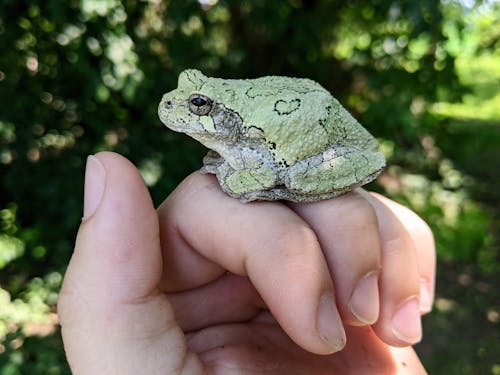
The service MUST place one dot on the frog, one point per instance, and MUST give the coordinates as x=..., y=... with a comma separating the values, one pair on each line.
x=273, y=137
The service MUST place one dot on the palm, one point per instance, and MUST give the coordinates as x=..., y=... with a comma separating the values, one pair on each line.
x=246, y=339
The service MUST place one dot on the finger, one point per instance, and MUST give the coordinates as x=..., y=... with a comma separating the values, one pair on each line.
x=201, y=307
x=265, y=241
x=347, y=229
x=399, y=321
x=423, y=240
x=111, y=283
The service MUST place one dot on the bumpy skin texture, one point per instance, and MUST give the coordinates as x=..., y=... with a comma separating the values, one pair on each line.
x=273, y=137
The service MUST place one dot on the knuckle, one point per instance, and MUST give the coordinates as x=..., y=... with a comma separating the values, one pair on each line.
x=297, y=248
x=356, y=214
x=295, y=239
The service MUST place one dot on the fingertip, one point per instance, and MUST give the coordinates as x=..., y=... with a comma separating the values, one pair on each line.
x=364, y=301
x=125, y=200
x=406, y=324
x=426, y=295
x=329, y=325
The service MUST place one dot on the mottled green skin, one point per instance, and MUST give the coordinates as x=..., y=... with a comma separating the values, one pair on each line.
x=273, y=137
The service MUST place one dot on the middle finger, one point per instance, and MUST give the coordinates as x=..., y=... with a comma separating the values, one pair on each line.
x=347, y=229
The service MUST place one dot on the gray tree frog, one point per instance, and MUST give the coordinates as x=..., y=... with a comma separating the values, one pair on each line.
x=273, y=137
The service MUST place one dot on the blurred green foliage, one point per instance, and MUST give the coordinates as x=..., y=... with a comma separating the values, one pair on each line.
x=78, y=77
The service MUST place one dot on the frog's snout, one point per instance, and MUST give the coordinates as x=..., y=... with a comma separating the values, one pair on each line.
x=164, y=108
x=167, y=104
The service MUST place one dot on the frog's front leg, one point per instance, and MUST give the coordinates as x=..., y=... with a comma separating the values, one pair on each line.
x=211, y=162
x=334, y=171
x=246, y=171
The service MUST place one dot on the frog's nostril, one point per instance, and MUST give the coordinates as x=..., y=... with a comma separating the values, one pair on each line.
x=168, y=104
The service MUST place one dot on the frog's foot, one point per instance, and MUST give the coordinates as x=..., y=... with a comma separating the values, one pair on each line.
x=248, y=172
x=240, y=182
x=211, y=162
x=333, y=172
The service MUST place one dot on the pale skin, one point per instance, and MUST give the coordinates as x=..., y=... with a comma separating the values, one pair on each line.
x=208, y=285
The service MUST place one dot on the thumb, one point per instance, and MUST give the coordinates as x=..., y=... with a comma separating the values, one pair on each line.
x=114, y=319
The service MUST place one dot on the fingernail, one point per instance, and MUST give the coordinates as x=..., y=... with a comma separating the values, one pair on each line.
x=425, y=296
x=406, y=324
x=329, y=323
x=95, y=179
x=364, y=302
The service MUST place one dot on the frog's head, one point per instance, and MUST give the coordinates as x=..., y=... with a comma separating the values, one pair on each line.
x=196, y=109
x=176, y=107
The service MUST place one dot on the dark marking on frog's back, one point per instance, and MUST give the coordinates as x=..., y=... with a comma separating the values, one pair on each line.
x=284, y=107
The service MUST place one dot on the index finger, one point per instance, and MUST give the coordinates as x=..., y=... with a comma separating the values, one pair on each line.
x=205, y=232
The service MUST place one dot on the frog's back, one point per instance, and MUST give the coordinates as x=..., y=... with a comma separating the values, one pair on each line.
x=299, y=85
x=245, y=93
x=321, y=109
x=297, y=115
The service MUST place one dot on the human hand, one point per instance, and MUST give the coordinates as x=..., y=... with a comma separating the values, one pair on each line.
x=132, y=303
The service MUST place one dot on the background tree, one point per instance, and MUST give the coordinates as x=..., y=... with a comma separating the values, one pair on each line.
x=78, y=77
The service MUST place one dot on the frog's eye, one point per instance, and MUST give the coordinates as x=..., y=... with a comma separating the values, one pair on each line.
x=200, y=104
